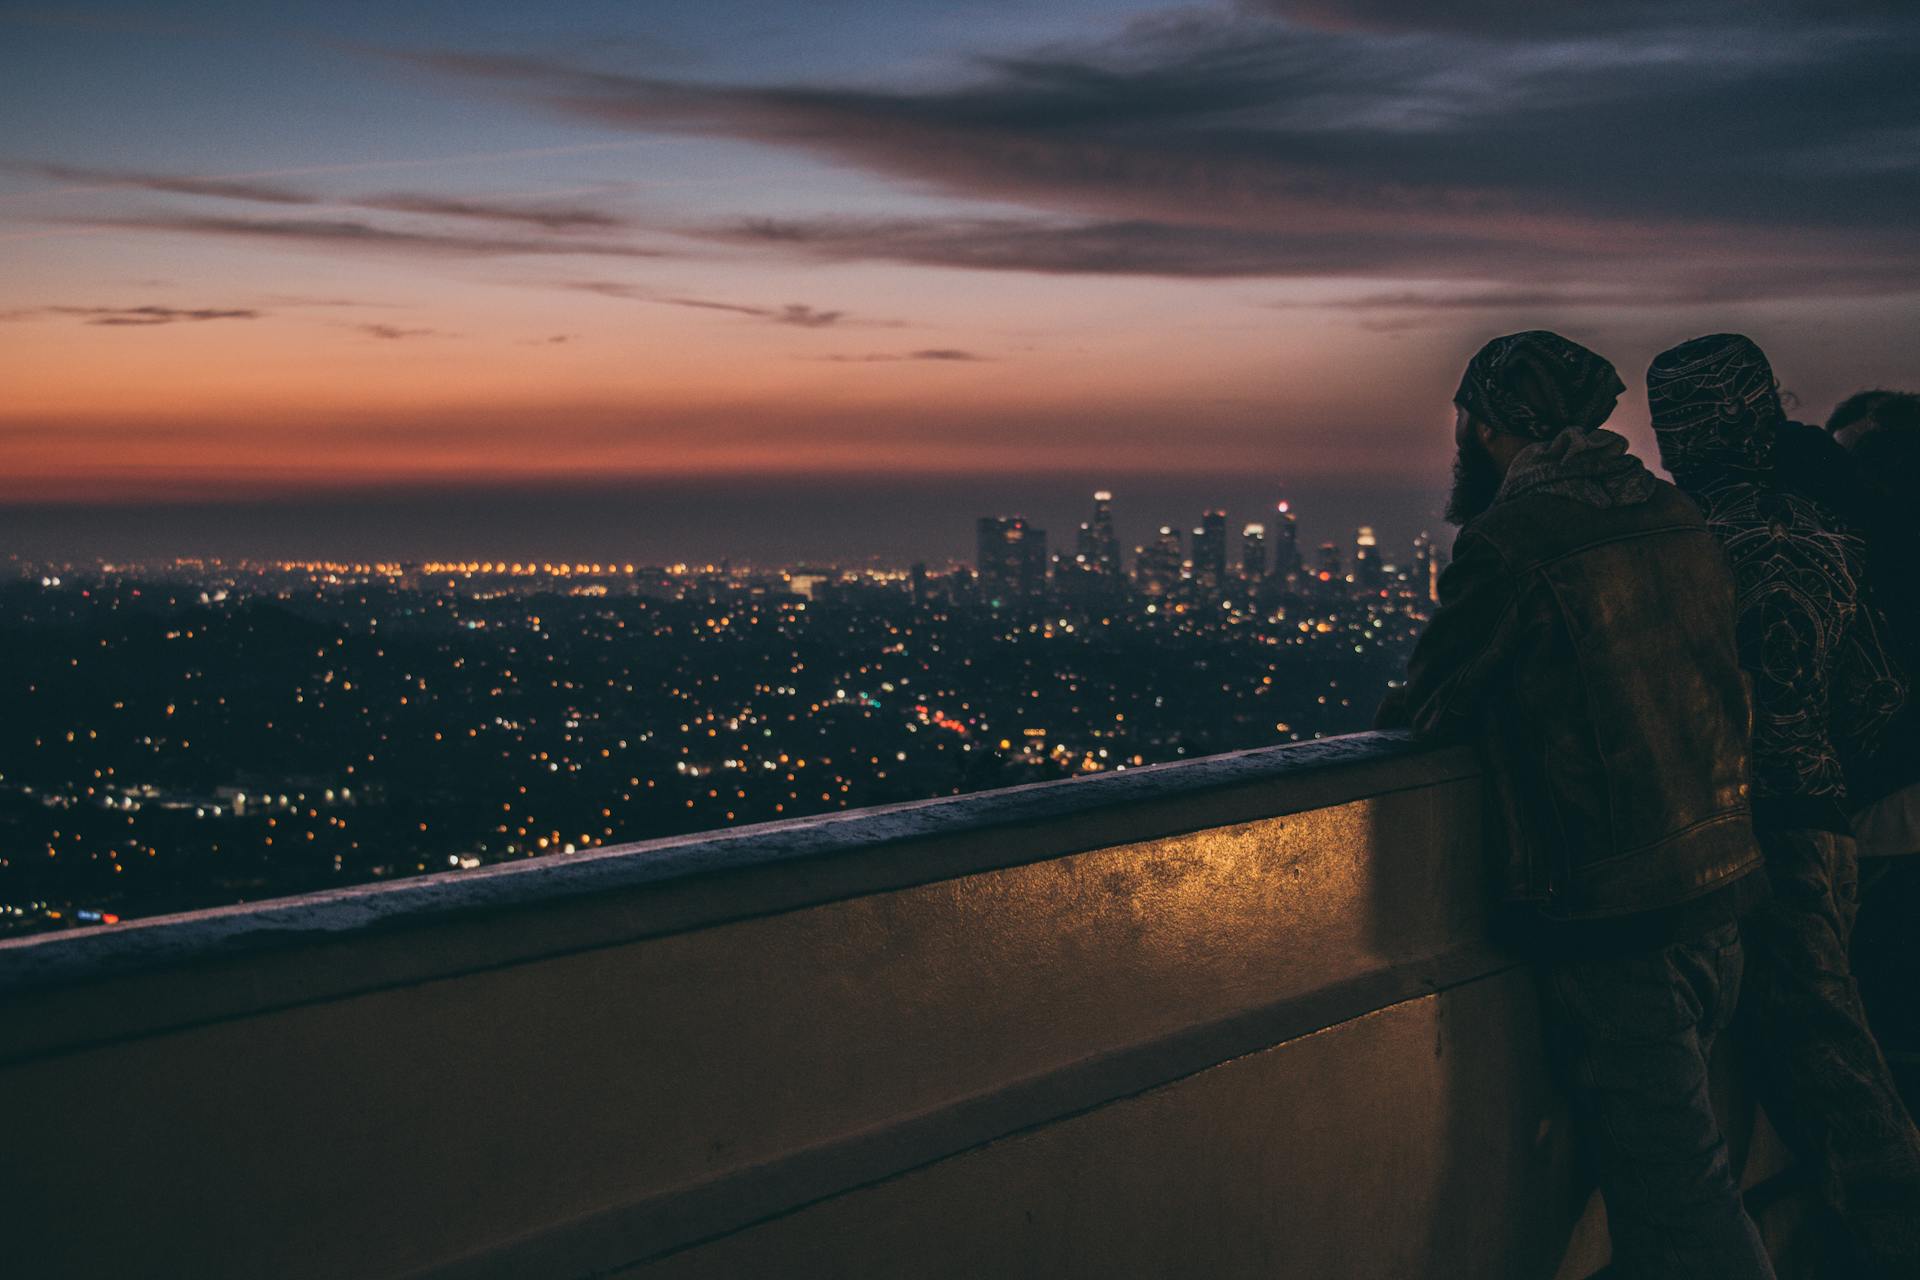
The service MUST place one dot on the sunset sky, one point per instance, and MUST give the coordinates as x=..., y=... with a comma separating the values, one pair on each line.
x=722, y=277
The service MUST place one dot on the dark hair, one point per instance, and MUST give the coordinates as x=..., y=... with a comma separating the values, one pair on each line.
x=1887, y=457
x=1890, y=461
x=1900, y=411
x=1858, y=406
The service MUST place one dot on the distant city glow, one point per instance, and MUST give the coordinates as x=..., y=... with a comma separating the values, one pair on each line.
x=397, y=718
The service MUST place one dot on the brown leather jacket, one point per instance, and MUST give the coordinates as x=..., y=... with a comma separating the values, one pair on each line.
x=1585, y=638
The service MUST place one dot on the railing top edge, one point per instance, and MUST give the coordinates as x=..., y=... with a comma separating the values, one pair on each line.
x=45, y=961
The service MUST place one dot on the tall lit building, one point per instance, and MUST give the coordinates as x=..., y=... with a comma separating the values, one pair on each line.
x=1253, y=554
x=1425, y=578
x=1431, y=559
x=1331, y=571
x=1366, y=560
x=1210, y=553
x=1033, y=565
x=994, y=559
x=1084, y=562
x=1094, y=570
x=1156, y=569
x=1103, y=541
x=1012, y=558
x=1287, y=564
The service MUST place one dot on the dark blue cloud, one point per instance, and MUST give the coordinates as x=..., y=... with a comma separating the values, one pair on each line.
x=1532, y=19
x=1692, y=148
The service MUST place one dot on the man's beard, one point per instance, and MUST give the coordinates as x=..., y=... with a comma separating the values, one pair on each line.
x=1475, y=481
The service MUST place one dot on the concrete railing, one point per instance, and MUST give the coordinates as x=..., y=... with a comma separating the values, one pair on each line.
x=1230, y=1017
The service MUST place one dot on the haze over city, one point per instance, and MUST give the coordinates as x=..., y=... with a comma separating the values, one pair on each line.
x=743, y=280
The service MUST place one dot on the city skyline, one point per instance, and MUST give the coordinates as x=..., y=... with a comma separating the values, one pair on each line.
x=183, y=734
x=729, y=522
x=455, y=267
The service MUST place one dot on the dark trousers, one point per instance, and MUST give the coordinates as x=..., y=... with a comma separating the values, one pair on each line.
x=1629, y=1036
x=1886, y=962
x=1815, y=1064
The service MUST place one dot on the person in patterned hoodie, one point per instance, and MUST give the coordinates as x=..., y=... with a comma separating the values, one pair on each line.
x=1823, y=689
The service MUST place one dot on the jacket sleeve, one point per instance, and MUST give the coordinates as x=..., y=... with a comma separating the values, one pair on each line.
x=1464, y=647
x=1788, y=642
x=1870, y=690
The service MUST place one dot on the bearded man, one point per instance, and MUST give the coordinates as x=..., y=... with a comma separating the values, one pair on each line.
x=1585, y=641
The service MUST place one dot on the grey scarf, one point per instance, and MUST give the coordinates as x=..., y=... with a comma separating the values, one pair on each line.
x=1593, y=467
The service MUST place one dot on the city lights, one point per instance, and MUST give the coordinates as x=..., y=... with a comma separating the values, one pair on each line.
x=227, y=731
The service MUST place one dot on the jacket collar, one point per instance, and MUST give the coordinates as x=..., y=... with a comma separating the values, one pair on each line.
x=1593, y=467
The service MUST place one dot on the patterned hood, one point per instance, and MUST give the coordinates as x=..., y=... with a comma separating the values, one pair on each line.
x=1537, y=383
x=1824, y=689
x=1716, y=407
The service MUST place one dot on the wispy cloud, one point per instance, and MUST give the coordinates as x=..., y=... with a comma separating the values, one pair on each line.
x=1134, y=246
x=887, y=357
x=137, y=317
x=528, y=213
x=611, y=289
x=309, y=300
x=794, y=313
x=1466, y=300
x=391, y=332
x=523, y=212
x=798, y=314
x=546, y=217
x=172, y=183
x=104, y=179
x=351, y=233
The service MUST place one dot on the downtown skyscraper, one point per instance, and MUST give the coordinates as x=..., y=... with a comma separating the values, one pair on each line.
x=1011, y=558
x=1102, y=543
x=1210, y=554
x=1253, y=553
x=1157, y=566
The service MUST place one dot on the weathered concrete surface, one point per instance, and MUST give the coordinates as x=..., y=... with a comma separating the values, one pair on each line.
x=1301, y=1160
x=68, y=990
x=653, y=1057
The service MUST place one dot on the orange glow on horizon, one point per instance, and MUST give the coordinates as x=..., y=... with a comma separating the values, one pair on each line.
x=1009, y=375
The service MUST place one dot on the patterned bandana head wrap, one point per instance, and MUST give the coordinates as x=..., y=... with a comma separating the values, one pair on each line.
x=1537, y=384
x=1715, y=407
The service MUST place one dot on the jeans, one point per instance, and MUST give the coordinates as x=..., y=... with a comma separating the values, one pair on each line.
x=1629, y=1036
x=1815, y=1064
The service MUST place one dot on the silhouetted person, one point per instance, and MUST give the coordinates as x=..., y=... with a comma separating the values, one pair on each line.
x=1585, y=640
x=1880, y=500
x=1822, y=687
x=1859, y=413
x=1875, y=492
